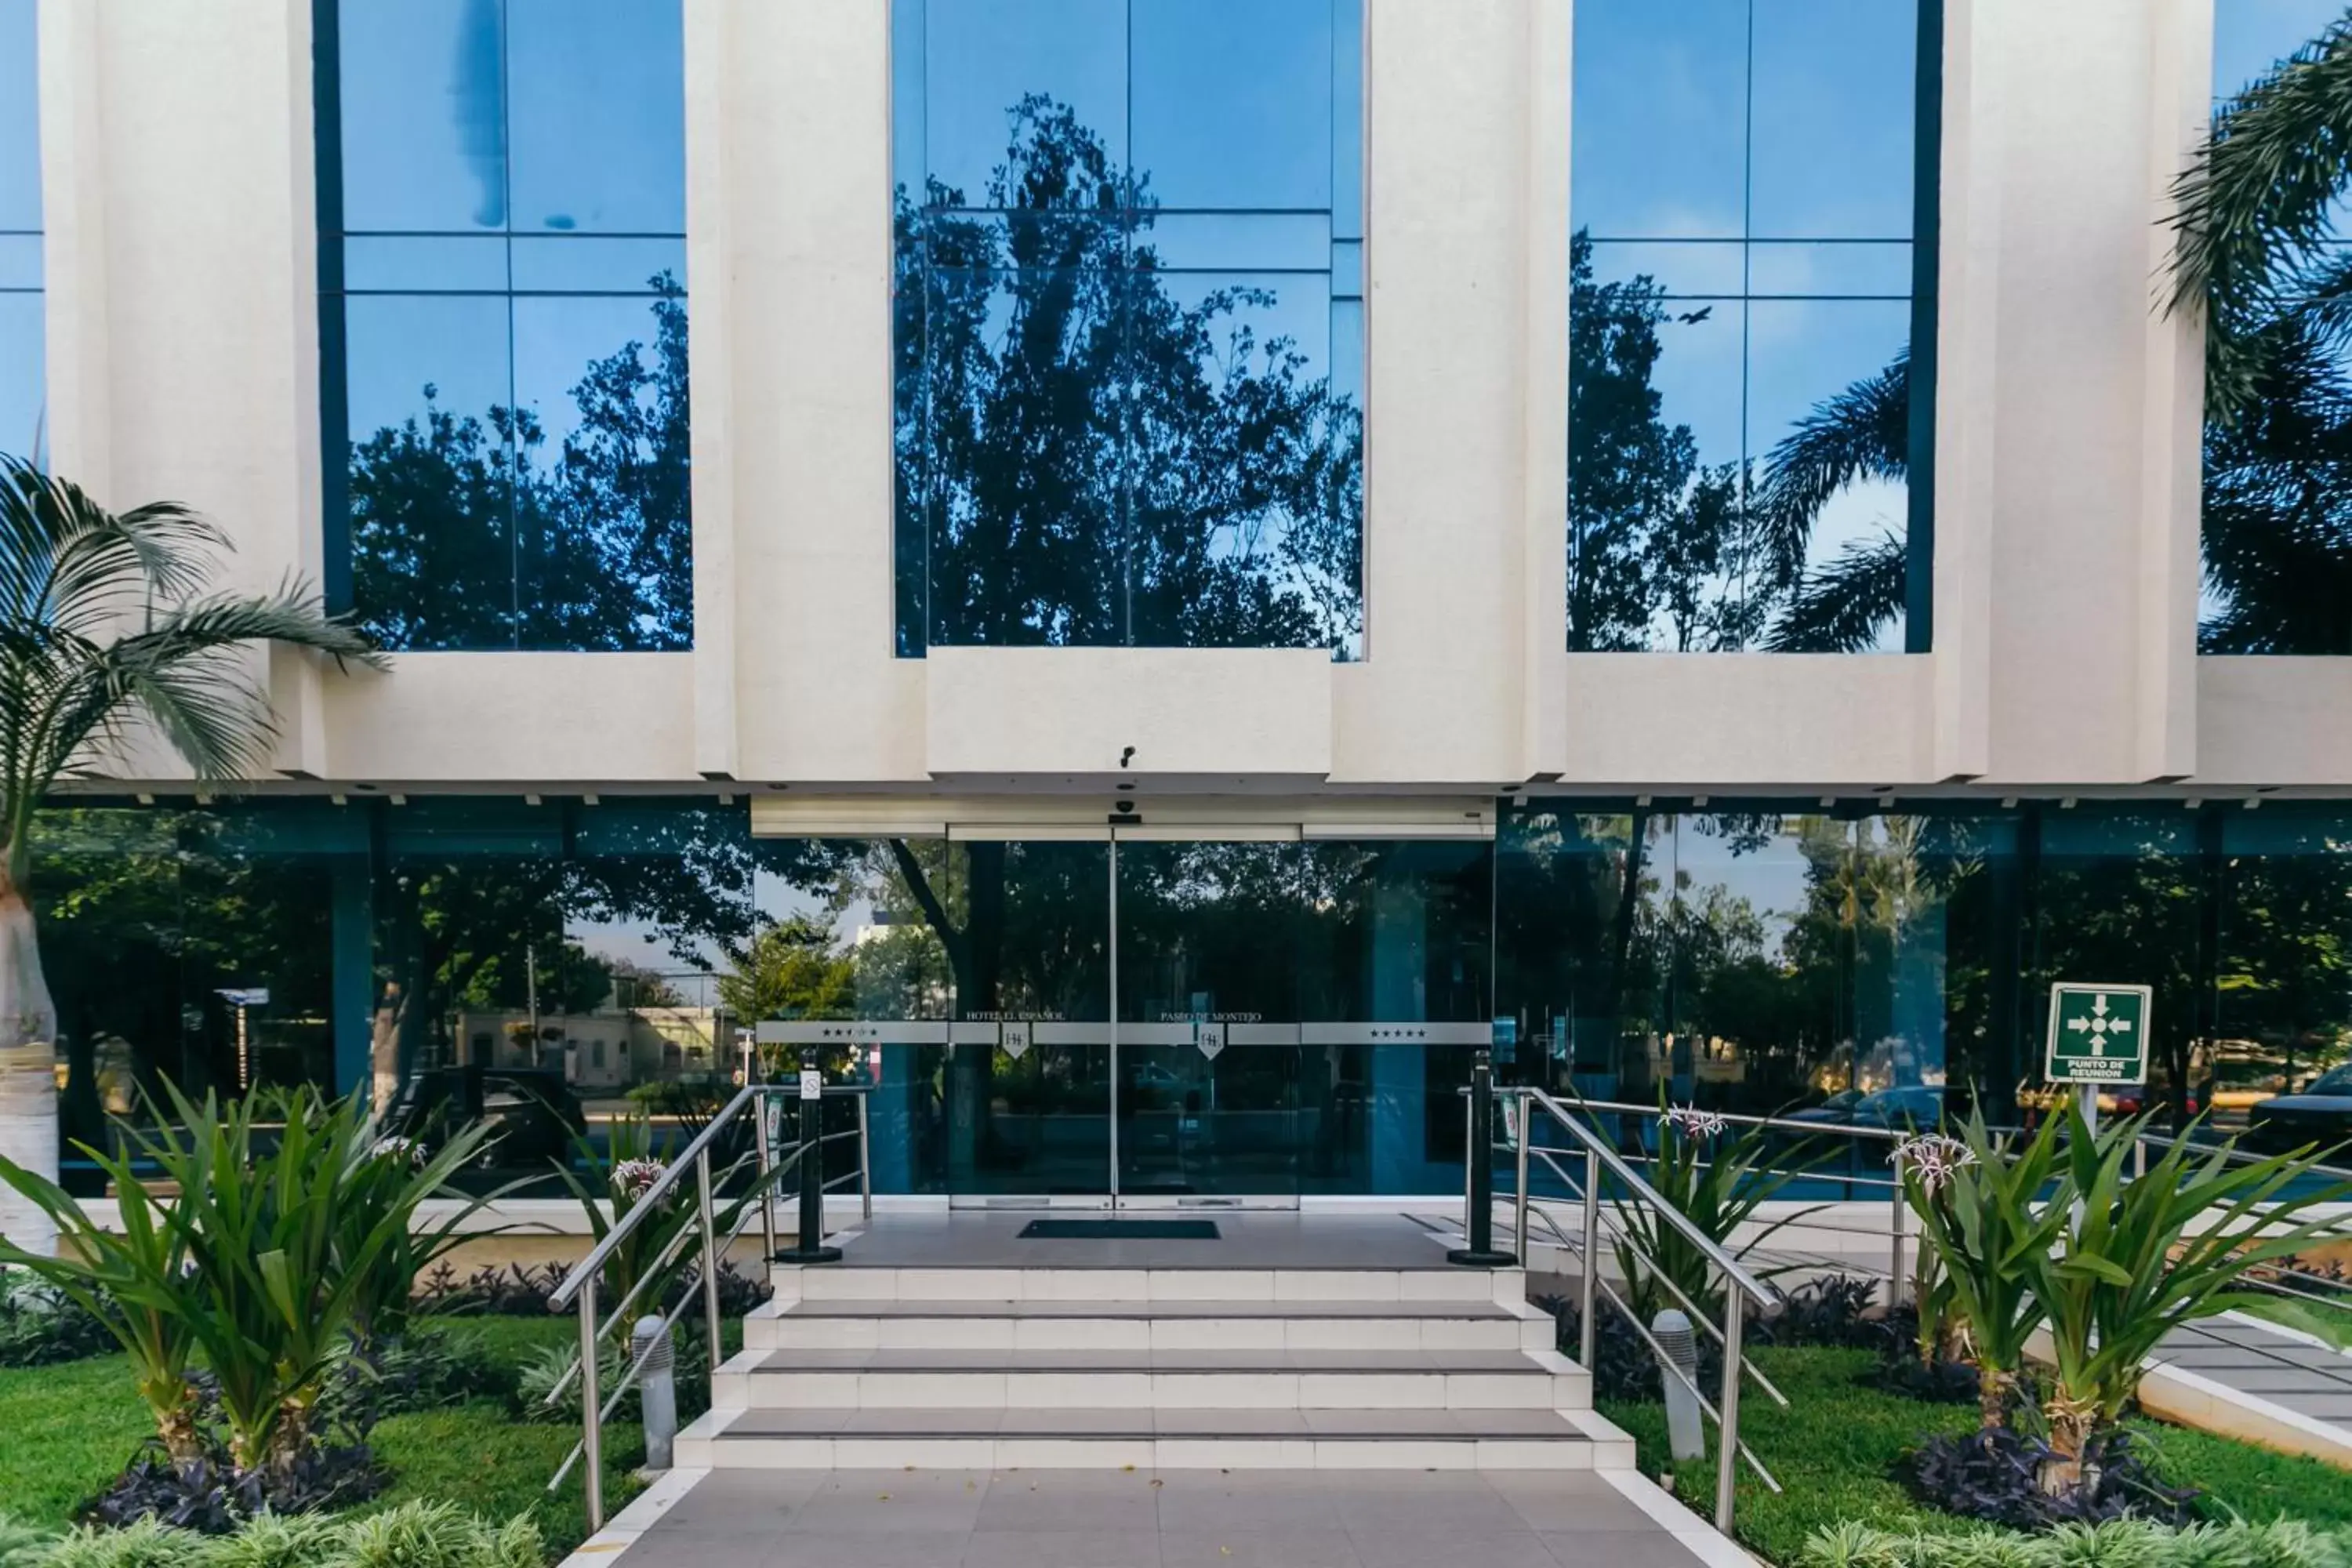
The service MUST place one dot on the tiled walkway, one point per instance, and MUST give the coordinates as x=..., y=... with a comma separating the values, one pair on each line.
x=1179, y=1519
x=2285, y=1370
x=1246, y=1239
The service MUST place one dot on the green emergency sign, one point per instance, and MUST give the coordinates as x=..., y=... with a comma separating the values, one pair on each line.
x=2098, y=1034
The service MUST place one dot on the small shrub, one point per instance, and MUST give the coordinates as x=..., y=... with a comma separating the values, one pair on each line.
x=211, y=1496
x=1932, y=1382
x=275, y=1540
x=422, y=1369
x=523, y=1290
x=1836, y=1310
x=1994, y=1476
x=40, y=1325
x=140, y=1544
x=2118, y=1543
x=23, y=1545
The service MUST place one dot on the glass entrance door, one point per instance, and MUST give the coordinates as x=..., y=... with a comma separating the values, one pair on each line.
x=1135, y=1016
x=1208, y=1106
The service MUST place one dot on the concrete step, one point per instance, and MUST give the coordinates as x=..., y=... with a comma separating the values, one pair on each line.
x=851, y=1283
x=1540, y=1380
x=1165, y=1439
x=1133, y=1326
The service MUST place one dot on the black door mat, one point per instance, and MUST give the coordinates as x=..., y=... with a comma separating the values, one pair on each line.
x=1119, y=1230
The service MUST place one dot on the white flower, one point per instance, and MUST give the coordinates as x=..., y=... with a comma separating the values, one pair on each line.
x=637, y=1177
x=393, y=1146
x=1935, y=1157
x=1690, y=1121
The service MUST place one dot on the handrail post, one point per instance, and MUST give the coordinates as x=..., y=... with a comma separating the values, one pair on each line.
x=1895, y=1279
x=1478, y=1251
x=592, y=1435
x=1727, y=1458
x=1525, y=1127
x=1587, y=1332
x=812, y=1248
x=709, y=1256
x=865, y=1162
x=767, y=1174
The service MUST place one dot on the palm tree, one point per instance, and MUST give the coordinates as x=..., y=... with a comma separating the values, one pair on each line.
x=2259, y=256
x=104, y=622
x=1862, y=433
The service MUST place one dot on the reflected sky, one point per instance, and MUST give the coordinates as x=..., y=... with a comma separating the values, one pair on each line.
x=21, y=357
x=513, y=202
x=1755, y=159
x=1221, y=142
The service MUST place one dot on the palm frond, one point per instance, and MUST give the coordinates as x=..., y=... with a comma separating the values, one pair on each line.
x=2257, y=201
x=68, y=561
x=1864, y=432
x=1842, y=608
x=101, y=619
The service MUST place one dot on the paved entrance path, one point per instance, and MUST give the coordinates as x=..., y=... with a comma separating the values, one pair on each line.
x=2252, y=1358
x=1177, y=1518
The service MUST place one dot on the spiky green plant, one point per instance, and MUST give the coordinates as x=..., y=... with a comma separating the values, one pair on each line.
x=1987, y=1207
x=2151, y=1254
x=1719, y=1183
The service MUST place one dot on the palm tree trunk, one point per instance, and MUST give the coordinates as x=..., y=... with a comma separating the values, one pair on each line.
x=28, y=1064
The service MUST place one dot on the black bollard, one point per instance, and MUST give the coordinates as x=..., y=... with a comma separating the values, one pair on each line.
x=1481, y=1253
x=812, y=1248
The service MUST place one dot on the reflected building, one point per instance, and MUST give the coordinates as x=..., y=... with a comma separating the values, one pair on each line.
x=1149, y=577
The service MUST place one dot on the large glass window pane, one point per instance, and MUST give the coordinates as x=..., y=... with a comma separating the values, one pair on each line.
x=1231, y=104
x=22, y=368
x=1742, y=166
x=22, y=395
x=433, y=468
x=597, y=93
x=2277, y=526
x=1661, y=119
x=544, y=360
x=2284, y=972
x=424, y=102
x=1141, y=426
x=1834, y=102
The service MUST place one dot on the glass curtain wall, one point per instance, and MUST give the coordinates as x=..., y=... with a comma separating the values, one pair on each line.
x=1295, y=1016
x=22, y=384
x=2277, y=520
x=502, y=321
x=1752, y=324
x=1128, y=322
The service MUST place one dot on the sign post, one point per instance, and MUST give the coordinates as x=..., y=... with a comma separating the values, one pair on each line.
x=2098, y=1035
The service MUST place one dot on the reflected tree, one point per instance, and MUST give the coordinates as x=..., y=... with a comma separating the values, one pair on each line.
x=1087, y=455
x=467, y=532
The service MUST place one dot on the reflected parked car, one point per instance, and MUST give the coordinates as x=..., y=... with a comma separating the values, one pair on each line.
x=532, y=1113
x=2321, y=1113
x=1913, y=1106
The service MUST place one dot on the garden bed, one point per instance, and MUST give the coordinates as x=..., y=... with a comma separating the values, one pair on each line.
x=1834, y=1450
x=477, y=1455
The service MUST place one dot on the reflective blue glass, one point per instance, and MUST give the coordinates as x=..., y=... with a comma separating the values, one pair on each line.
x=502, y=193
x=1746, y=286
x=22, y=359
x=1129, y=322
x=2276, y=532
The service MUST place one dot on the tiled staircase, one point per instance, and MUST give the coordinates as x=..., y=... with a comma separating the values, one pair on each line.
x=1431, y=1368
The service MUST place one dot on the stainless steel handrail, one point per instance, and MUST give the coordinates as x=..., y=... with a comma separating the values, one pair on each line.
x=580, y=1282
x=1741, y=1287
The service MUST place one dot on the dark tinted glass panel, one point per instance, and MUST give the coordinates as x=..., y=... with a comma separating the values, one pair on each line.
x=22, y=379
x=502, y=205
x=1746, y=288
x=2283, y=991
x=1141, y=424
x=2277, y=527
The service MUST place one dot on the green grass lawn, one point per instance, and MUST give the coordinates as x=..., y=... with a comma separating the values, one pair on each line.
x=1832, y=1451
x=88, y=1423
